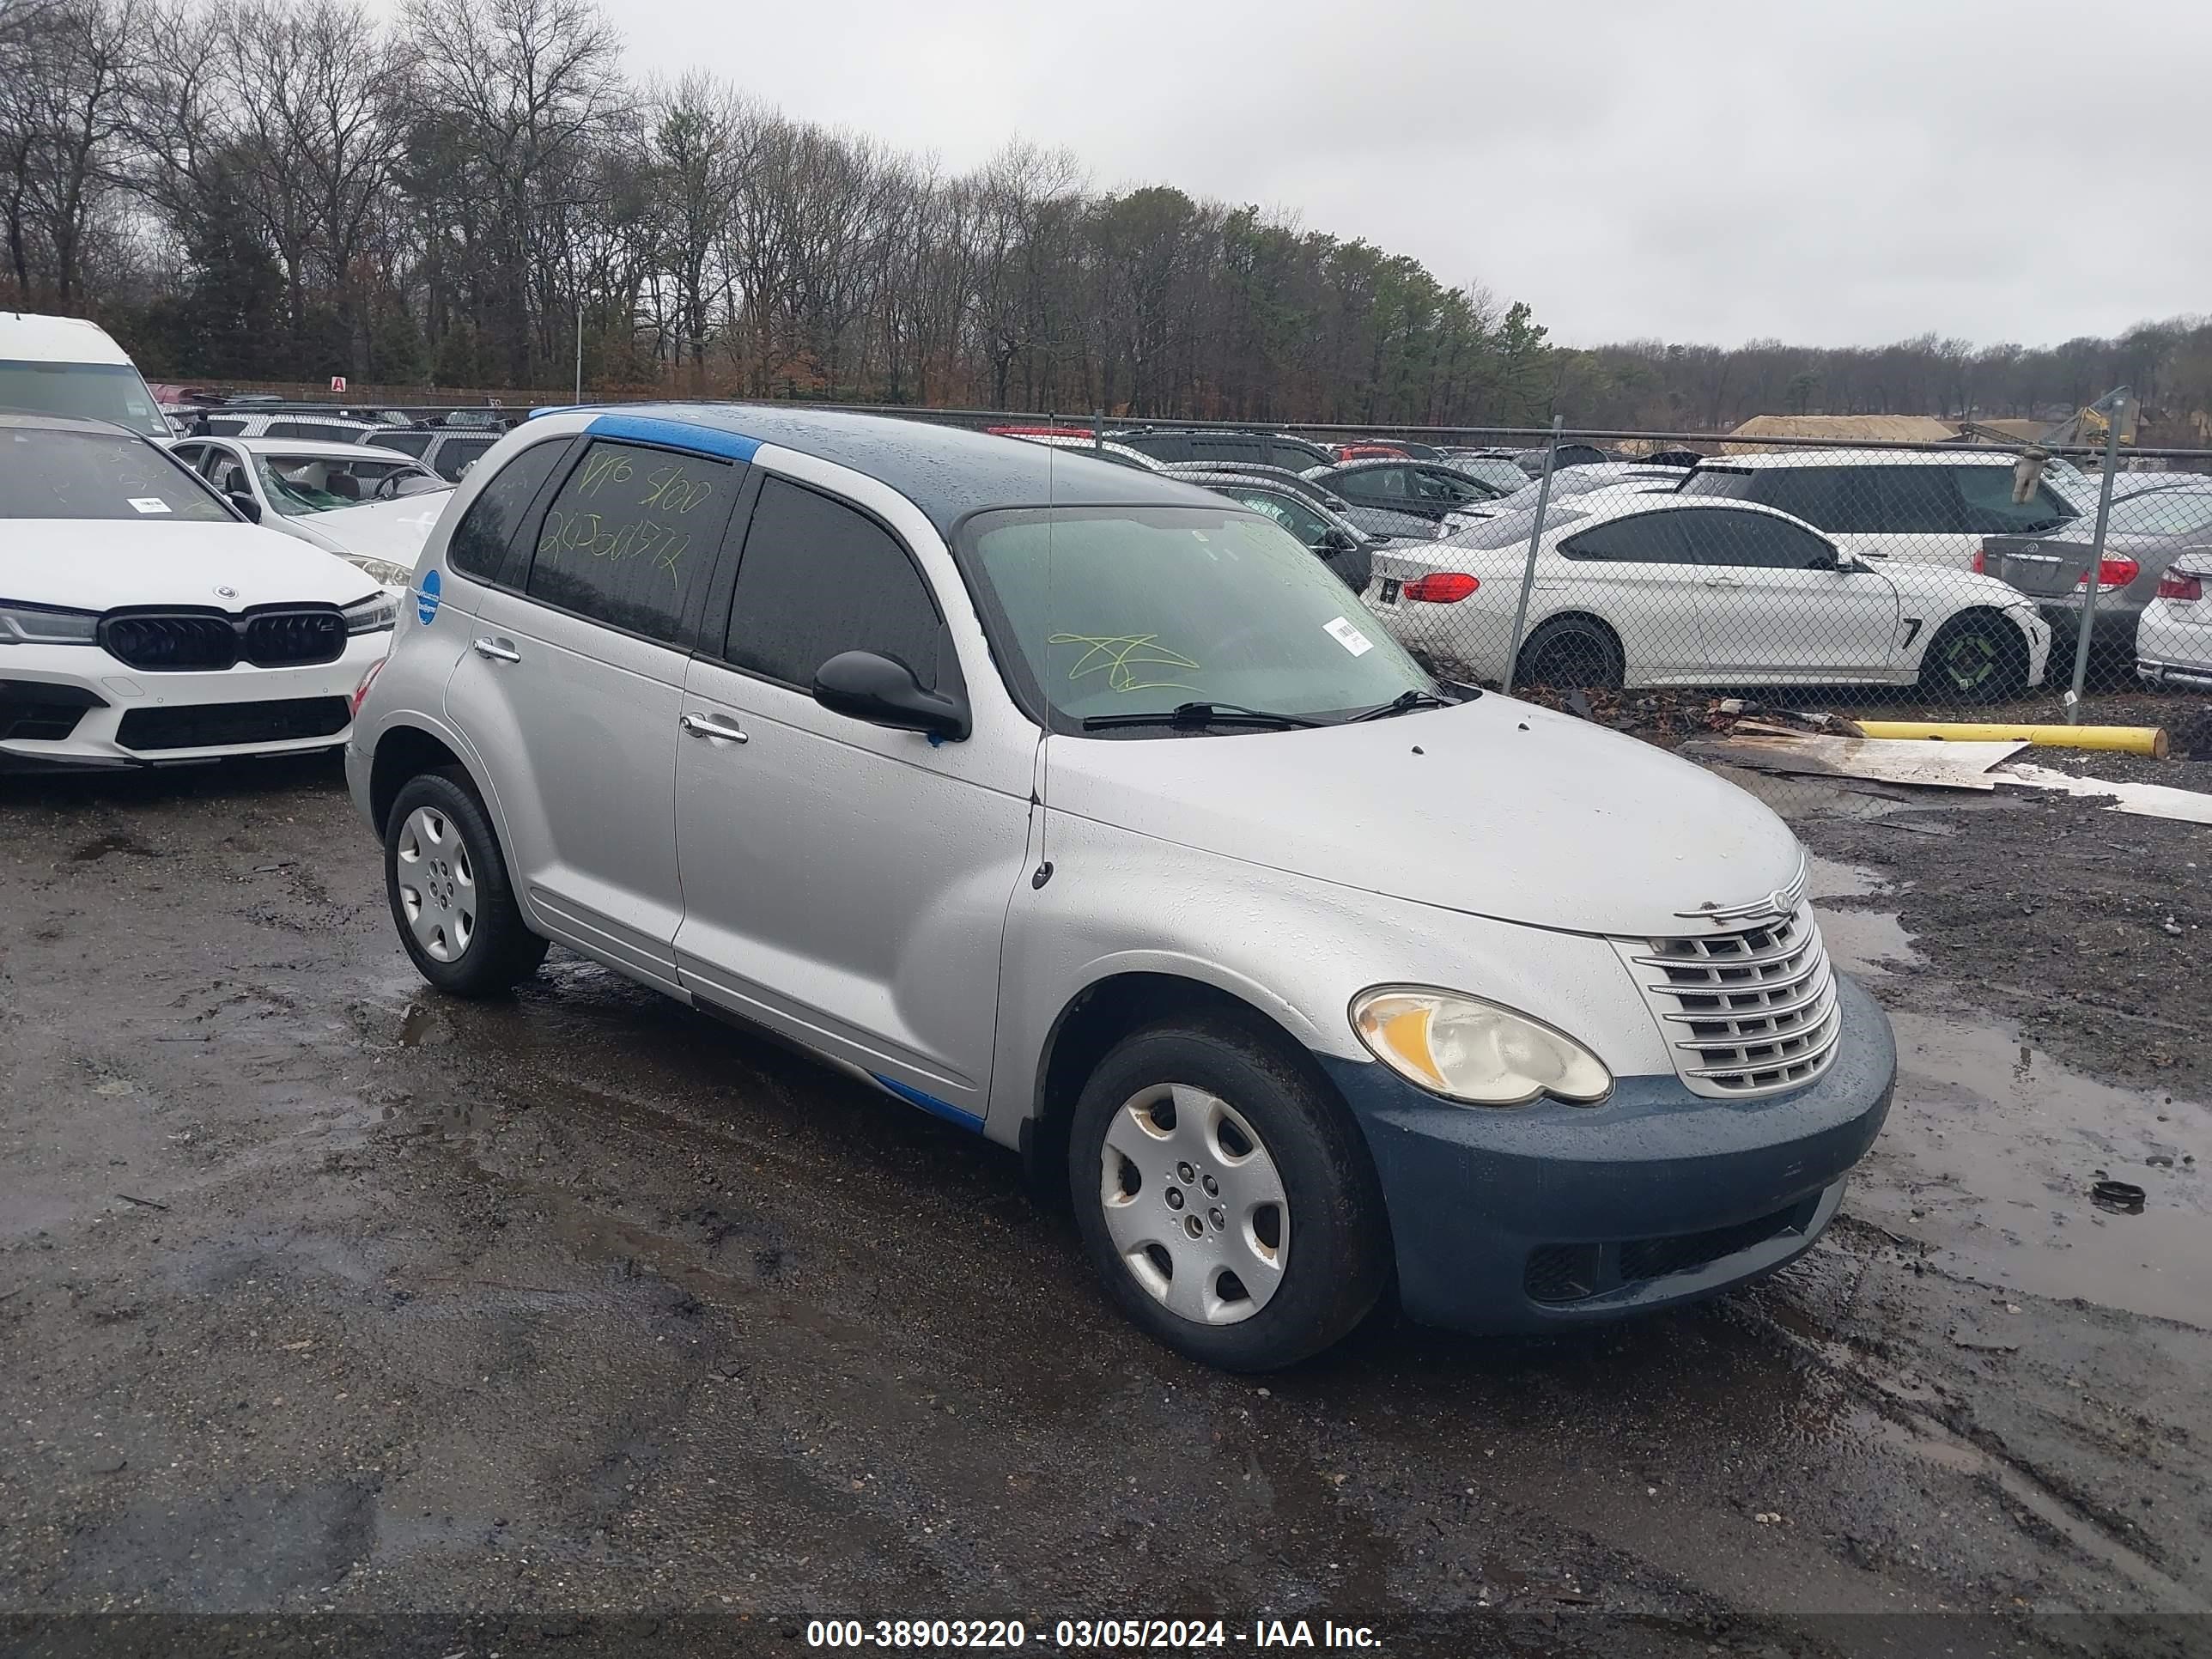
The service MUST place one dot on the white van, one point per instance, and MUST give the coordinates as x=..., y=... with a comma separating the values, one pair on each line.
x=67, y=366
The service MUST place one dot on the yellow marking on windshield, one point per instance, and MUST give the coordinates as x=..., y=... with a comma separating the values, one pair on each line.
x=1122, y=657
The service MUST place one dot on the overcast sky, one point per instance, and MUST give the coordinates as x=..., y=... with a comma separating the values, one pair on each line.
x=1827, y=171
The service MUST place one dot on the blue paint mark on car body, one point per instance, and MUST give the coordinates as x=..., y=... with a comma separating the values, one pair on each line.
x=426, y=596
x=675, y=434
x=930, y=1104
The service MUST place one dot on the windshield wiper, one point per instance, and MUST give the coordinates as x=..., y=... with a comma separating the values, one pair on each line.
x=1404, y=703
x=1195, y=714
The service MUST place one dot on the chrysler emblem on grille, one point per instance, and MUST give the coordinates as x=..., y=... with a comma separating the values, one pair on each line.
x=1782, y=901
x=227, y=593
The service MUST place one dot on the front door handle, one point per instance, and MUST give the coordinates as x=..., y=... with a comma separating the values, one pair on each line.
x=1723, y=581
x=712, y=725
x=497, y=651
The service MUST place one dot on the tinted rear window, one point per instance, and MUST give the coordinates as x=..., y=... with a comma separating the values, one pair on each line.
x=90, y=474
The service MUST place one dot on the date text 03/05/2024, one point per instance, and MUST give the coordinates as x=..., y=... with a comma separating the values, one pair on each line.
x=1088, y=1635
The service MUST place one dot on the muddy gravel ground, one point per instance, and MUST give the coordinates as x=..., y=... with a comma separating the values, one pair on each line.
x=334, y=1317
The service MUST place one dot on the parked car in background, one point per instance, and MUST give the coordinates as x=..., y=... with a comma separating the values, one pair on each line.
x=2144, y=536
x=1338, y=543
x=1531, y=461
x=1423, y=490
x=1082, y=809
x=1119, y=453
x=1933, y=507
x=2173, y=640
x=233, y=422
x=1213, y=444
x=67, y=366
x=1674, y=589
x=447, y=453
x=1320, y=494
x=144, y=620
x=1585, y=478
x=1369, y=452
x=367, y=505
x=1496, y=470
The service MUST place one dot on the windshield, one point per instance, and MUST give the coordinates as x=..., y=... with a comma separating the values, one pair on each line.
x=2161, y=513
x=299, y=484
x=95, y=475
x=100, y=392
x=1133, y=609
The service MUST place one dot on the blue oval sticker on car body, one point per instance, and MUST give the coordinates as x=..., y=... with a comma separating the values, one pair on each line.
x=426, y=596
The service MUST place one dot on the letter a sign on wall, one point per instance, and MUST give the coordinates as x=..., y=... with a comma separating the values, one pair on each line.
x=337, y=383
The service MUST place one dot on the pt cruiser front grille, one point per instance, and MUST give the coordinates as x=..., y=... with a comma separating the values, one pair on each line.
x=1750, y=1012
x=287, y=637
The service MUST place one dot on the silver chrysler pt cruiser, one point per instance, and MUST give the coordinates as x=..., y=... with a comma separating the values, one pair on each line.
x=1086, y=810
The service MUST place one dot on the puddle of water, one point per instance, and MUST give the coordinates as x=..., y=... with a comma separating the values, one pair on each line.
x=1866, y=944
x=1990, y=1154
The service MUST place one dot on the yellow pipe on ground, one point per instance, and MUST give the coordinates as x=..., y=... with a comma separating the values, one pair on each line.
x=2119, y=739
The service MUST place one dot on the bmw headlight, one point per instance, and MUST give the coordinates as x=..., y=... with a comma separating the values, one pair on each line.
x=45, y=624
x=1472, y=1051
x=380, y=570
x=373, y=615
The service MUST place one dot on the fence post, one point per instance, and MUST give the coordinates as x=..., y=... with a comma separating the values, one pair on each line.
x=1098, y=430
x=1529, y=571
x=2110, y=404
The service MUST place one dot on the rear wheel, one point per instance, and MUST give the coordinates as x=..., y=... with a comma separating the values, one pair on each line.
x=1225, y=1197
x=1570, y=652
x=450, y=895
x=1978, y=656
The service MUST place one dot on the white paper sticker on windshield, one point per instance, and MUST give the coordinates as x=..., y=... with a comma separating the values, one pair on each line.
x=149, y=503
x=1349, y=637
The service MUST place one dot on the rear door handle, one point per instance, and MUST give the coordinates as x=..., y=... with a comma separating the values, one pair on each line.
x=496, y=650
x=1723, y=581
x=712, y=725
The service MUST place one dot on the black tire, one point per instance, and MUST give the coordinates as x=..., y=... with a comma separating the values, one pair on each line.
x=1335, y=1239
x=1978, y=656
x=1572, y=653
x=498, y=951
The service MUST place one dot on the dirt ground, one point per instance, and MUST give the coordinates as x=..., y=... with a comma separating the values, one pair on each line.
x=334, y=1317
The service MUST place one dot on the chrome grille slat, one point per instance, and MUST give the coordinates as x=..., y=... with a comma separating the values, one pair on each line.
x=1753, y=1010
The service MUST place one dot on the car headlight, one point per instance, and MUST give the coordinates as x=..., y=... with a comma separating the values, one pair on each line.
x=373, y=615
x=45, y=624
x=1472, y=1051
x=381, y=570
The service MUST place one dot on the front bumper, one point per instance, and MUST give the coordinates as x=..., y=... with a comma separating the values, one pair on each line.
x=69, y=706
x=1548, y=1216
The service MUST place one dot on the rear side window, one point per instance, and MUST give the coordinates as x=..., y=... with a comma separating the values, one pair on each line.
x=225, y=426
x=1917, y=501
x=318, y=431
x=1802, y=492
x=1381, y=484
x=1297, y=457
x=456, y=455
x=630, y=536
x=819, y=577
x=1227, y=447
x=1160, y=445
x=416, y=444
x=1648, y=538
x=1986, y=495
x=480, y=539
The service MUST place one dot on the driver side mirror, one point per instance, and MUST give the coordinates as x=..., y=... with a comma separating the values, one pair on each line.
x=883, y=692
x=248, y=506
x=1334, y=540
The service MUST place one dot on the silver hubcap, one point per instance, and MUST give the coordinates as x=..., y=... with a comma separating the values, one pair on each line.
x=437, y=886
x=1193, y=1204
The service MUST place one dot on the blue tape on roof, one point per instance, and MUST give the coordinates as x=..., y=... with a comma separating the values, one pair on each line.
x=930, y=1104
x=676, y=434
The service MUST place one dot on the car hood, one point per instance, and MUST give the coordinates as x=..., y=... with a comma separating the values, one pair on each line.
x=1496, y=808
x=379, y=529
x=96, y=564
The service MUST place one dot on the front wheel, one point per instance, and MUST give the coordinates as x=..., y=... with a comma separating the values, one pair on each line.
x=1225, y=1197
x=1979, y=657
x=451, y=898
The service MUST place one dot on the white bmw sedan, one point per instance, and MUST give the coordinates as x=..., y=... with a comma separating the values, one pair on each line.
x=1638, y=590
x=143, y=620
